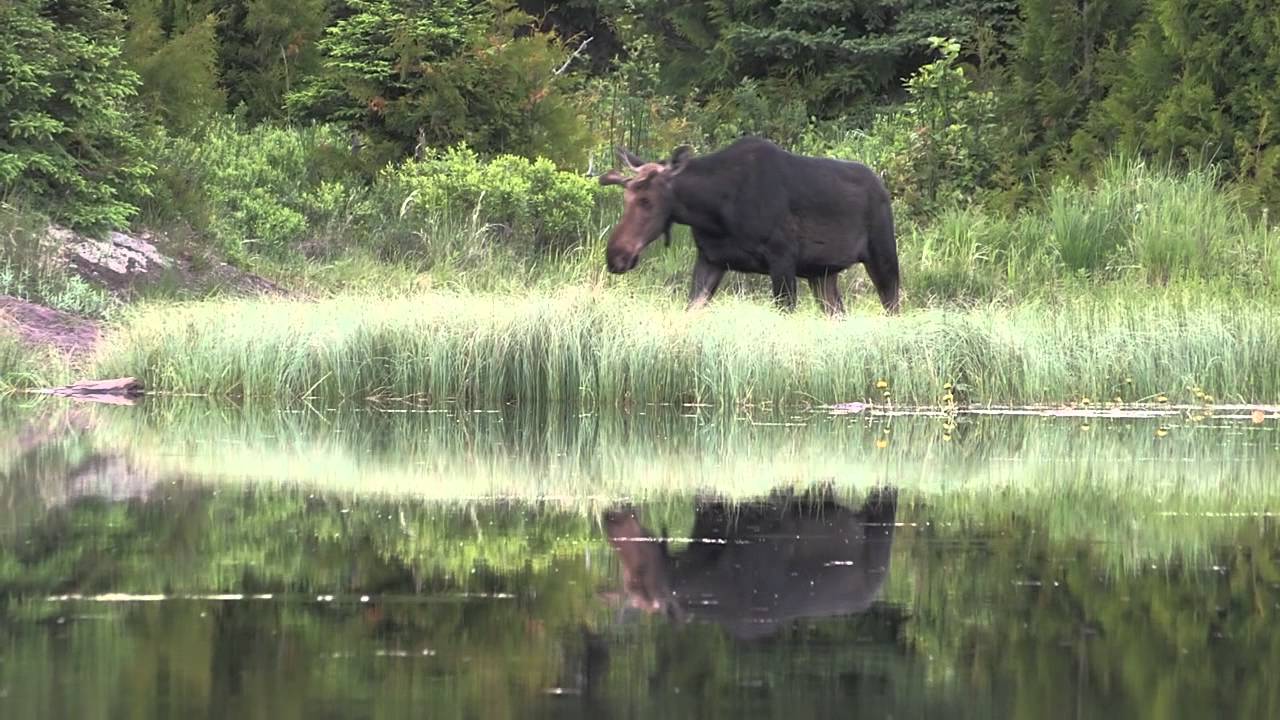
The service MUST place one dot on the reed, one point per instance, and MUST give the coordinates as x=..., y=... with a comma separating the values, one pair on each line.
x=22, y=366
x=606, y=348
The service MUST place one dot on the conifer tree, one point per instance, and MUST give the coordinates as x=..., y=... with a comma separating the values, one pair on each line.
x=173, y=46
x=67, y=136
x=1200, y=83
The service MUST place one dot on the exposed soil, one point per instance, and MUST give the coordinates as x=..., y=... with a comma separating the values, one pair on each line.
x=122, y=264
x=39, y=326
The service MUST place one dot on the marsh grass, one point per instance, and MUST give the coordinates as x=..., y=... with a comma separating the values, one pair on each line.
x=606, y=348
x=23, y=367
x=1136, y=224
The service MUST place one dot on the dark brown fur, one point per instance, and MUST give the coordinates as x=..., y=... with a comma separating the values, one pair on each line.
x=756, y=208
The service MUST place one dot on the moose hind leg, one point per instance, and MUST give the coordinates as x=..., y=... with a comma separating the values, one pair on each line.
x=883, y=272
x=826, y=290
x=784, y=289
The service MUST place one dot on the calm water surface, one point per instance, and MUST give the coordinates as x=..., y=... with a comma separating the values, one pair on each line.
x=213, y=561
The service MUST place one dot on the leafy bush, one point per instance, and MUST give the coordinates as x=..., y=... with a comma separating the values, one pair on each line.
x=259, y=189
x=530, y=201
x=66, y=136
x=940, y=148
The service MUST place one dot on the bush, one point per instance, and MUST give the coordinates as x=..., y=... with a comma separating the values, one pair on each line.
x=260, y=189
x=532, y=204
x=66, y=136
x=941, y=148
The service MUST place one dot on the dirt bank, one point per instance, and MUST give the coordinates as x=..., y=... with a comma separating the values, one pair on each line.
x=40, y=326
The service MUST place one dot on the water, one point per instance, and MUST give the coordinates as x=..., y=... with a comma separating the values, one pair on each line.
x=212, y=561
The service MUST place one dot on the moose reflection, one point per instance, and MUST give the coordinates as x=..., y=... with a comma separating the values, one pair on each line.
x=754, y=566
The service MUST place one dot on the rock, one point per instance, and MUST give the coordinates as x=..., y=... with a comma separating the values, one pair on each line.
x=115, y=261
x=121, y=261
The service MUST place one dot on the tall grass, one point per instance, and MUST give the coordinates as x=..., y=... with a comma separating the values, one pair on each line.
x=22, y=366
x=32, y=269
x=1136, y=223
x=463, y=222
x=597, y=348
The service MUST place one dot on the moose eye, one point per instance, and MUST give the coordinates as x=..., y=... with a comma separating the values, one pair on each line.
x=645, y=203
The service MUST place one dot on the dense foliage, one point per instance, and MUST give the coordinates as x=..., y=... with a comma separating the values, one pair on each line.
x=431, y=73
x=67, y=138
x=289, y=128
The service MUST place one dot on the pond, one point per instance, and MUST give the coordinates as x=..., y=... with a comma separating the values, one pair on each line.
x=207, y=560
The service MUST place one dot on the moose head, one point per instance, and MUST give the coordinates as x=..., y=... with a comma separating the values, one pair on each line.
x=648, y=203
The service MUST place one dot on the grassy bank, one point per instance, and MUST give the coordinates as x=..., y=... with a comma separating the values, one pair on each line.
x=606, y=348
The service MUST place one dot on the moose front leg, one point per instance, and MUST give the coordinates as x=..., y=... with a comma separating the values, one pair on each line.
x=706, y=280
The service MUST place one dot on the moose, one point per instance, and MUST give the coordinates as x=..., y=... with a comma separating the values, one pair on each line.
x=753, y=566
x=754, y=207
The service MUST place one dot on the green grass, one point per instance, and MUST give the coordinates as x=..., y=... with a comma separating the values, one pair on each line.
x=22, y=366
x=1136, y=225
x=606, y=348
x=30, y=268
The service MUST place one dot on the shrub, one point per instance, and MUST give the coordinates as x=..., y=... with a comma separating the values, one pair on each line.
x=258, y=189
x=66, y=137
x=533, y=204
x=941, y=147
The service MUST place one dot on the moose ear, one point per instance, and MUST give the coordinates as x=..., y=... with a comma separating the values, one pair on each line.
x=631, y=160
x=613, y=177
x=679, y=158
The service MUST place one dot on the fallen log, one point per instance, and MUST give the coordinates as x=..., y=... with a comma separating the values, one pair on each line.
x=118, y=391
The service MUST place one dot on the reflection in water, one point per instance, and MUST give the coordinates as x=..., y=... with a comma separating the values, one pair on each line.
x=752, y=566
x=1036, y=571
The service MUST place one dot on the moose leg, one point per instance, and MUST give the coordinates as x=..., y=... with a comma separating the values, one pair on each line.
x=827, y=292
x=883, y=272
x=784, y=287
x=706, y=280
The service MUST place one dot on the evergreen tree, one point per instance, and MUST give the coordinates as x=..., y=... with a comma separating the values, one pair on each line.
x=268, y=50
x=430, y=73
x=66, y=135
x=173, y=46
x=1200, y=83
x=836, y=53
x=1064, y=61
